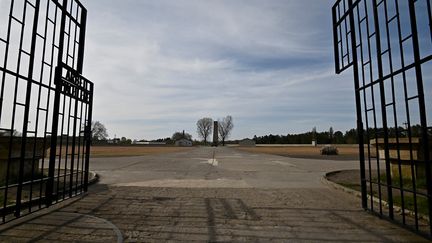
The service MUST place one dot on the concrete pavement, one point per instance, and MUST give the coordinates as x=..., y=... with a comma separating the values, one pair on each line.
x=195, y=196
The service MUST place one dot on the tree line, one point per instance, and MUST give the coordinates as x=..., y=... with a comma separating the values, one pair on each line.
x=204, y=129
x=327, y=137
x=338, y=137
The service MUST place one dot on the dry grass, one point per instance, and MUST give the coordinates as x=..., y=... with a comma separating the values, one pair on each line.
x=120, y=151
x=346, y=152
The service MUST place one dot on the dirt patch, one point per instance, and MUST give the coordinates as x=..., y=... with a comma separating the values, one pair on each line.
x=347, y=178
x=351, y=179
x=120, y=151
x=346, y=152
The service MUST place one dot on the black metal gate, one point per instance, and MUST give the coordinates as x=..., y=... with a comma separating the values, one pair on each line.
x=45, y=104
x=389, y=45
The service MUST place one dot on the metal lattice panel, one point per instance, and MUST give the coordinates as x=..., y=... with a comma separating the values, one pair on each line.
x=389, y=45
x=45, y=115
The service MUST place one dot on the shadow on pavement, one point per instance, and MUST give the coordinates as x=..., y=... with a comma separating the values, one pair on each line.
x=136, y=214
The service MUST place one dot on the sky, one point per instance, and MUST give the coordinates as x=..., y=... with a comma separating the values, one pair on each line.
x=160, y=65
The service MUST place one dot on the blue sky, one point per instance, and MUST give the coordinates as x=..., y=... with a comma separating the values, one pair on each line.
x=160, y=65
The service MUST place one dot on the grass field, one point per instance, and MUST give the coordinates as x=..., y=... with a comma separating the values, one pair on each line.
x=346, y=152
x=120, y=151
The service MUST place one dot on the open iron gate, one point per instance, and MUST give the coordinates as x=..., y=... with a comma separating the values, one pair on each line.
x=45, y=104
x=389, y=45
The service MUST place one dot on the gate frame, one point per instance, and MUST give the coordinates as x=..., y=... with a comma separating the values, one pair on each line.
x=353, y=60
x=75, y=13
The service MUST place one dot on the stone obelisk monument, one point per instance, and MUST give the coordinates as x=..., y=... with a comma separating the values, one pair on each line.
x=215, y=134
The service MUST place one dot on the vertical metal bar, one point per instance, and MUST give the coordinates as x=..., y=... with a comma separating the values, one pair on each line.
x=407, y=109
x=347, y=31
x=79, y=157
x=393, y=105
x=84, y=146
x=87, y=135
x=50, y=80
x=1, y=108
x=371, y=63
x=54, y=132
x=27, y=107
x=27, y=102
x=67, y=139
x=68, y=146
x=83, y=25
x=45, y=28
x=364, y=100
x=422, y=106
x=88, y=138
x=430, y=17
x=383, y=109
x=335, y=40
x=358, y=104
x=60, y=144
x=73, y=143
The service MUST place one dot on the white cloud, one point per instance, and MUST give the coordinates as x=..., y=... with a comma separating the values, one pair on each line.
x=159, y=66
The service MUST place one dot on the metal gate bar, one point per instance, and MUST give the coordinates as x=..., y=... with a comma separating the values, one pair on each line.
x=387, y=42
x=45, y=104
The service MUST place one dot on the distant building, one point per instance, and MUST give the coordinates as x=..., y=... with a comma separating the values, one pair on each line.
x=147, y=143
x=113, y=141
x=183, y=143
x=247, y=143
x=314, y=143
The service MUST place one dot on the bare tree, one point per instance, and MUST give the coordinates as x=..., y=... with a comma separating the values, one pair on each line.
x=225, y=128
x=98, y=131
x=181, y=135
x=204, y=128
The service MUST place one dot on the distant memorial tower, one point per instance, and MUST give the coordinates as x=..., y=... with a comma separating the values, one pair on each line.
x=215, y=133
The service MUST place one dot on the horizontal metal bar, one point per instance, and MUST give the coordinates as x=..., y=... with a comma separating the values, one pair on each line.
x=20, y=104
x=31, y=4
x=413, y=97
x=17, y=20
x=392, y=18
x=50, y=20
x=398, y=188
x=47, y=64
x=40, y=36
x=395, y=73
x=25, y=52
x=26, y=79
x=406, y=38
x=384, y=52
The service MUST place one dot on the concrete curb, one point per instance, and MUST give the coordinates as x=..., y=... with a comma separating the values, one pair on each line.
x=358, y=194
x=93, y=179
